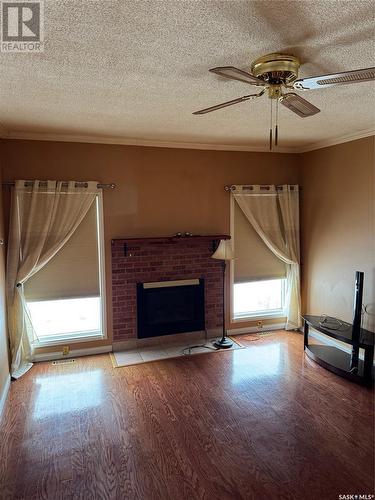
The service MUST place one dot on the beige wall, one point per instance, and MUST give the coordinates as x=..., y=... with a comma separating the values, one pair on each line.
x=338, y=227
x=159, y=191
x=4, y=363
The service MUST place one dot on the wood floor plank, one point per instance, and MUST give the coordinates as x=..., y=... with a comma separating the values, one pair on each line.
x=258, y=423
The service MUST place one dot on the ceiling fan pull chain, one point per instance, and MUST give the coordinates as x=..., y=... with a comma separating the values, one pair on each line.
x=277, y=122
x=271, y=124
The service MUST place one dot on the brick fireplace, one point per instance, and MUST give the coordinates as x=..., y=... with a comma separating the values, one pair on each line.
x=145, y=260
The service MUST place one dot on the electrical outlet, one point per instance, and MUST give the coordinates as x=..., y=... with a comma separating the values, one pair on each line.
x=259, y=325
x=65, y=350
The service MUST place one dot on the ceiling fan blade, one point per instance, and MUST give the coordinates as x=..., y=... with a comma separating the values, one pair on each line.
x=237, y=74
x=299, y=105
x=225, y=104
x=316, y=82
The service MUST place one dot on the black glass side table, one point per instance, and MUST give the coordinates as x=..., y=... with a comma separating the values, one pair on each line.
x=338, y=360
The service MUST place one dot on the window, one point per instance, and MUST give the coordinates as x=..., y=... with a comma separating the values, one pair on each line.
x=258, y=298
x=62, y=317
x=258, y=276
x=64, y=298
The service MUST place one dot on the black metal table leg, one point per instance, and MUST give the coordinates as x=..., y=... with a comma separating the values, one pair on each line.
x=367, y=364
x=305, y=334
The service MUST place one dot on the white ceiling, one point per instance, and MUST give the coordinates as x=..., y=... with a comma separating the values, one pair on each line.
x=133, y=71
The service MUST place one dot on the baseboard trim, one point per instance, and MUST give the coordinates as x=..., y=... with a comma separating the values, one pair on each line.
x=75, y=353
x=4, y=395
x=255, y=329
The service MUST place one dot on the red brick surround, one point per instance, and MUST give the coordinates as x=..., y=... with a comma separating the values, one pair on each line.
x=162, y=261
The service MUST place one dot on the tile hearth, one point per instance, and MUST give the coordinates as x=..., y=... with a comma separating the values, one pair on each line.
x=157, y=352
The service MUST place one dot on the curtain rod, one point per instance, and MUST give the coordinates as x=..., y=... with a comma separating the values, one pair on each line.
x=265, y=187
x=65, y=184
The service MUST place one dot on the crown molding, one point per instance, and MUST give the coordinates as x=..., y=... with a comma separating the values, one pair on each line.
x=40, y=136
x=339, y=140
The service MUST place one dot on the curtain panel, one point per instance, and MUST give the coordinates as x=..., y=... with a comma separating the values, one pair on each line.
x=43, y=217
x=263, y=264
x=274, y=214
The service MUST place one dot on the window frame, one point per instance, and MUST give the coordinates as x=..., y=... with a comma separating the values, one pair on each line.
x=89, y=336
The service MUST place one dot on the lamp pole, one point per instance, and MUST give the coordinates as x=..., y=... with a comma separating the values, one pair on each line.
x=223, y=252
x=224, y=342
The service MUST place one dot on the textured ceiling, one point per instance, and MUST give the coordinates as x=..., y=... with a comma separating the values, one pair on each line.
x=135, y=70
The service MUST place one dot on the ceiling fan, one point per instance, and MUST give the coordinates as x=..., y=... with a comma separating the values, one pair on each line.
x=277, y=73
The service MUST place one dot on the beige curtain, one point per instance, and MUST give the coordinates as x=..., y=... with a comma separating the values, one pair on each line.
x=274, y=214
x=263, y=264
x=288, y=198
x=44, y=215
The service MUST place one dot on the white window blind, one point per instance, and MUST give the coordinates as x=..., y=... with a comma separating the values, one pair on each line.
x=254, y=261
x=74, y=271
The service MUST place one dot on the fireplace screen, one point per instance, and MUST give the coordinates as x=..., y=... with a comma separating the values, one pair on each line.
x=168, y=307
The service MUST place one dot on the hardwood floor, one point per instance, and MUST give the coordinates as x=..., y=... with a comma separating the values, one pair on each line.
x=258, y=423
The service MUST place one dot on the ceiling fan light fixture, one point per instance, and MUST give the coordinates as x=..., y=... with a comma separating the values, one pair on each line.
x=299, y=105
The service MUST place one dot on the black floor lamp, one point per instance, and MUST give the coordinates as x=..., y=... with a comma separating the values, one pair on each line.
x=223, y=252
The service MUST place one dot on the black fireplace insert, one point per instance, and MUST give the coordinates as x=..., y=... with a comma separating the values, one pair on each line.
x=168, y=307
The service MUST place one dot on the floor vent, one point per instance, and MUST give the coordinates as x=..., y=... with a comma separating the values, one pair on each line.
x=63, y=361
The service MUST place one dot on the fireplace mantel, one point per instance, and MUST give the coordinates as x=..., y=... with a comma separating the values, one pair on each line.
x=215, y=238
x=166, y=239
